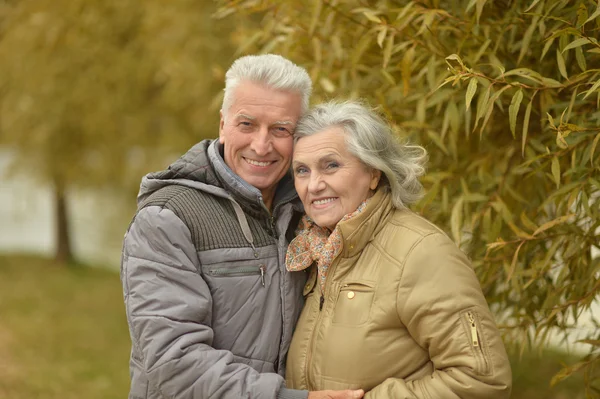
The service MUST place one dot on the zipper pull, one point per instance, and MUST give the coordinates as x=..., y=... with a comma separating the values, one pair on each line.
x=321, y=302
x=474, y=338
x=262, y=274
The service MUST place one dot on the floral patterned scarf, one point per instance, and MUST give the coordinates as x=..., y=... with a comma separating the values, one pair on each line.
x=316, y=243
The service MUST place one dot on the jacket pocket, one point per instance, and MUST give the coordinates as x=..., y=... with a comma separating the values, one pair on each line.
x=238, y=271
x=353, y=303
x=477, y=342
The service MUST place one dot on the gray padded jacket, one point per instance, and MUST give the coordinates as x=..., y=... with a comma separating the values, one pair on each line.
x=210, y=307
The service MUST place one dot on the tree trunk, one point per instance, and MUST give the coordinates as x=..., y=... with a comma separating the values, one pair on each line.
x=64, y=254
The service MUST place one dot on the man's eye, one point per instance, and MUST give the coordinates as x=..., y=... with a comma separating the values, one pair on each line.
x=244, y=123
x=280, y=131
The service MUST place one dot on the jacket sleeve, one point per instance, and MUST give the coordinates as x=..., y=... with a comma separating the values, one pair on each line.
x=169, y=308
x=441, y=304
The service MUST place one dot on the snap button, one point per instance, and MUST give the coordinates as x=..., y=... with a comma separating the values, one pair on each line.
x=351, y=246
x=351, y=295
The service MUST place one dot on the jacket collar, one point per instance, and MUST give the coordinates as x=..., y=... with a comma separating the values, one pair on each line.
x=358, y=231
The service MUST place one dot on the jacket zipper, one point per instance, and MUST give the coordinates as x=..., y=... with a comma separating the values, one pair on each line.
x=317, y=322
x=476, y=342
x=241, y=270
x=473, y=326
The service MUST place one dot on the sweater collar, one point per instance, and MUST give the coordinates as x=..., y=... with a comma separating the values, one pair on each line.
x=247, y=195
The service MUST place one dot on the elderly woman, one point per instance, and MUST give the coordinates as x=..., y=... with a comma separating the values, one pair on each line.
x=392, y=305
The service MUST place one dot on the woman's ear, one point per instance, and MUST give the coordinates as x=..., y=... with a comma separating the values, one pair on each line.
x=375, y=177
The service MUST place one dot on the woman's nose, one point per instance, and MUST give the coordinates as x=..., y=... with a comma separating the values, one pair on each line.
x=315, y=183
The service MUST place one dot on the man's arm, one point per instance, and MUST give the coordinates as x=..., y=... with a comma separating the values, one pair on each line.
x=441, y=304
x=169, y=307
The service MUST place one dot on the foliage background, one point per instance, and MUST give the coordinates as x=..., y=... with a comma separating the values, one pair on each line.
x=505, y=96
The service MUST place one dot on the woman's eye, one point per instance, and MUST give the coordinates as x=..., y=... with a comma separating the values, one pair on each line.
x=332, y=165
x=300, y=170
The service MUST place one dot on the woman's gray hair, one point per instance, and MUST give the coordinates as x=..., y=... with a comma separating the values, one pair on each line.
x=274, y=71
x=371, y=140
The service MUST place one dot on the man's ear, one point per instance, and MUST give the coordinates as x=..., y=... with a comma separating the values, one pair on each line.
x=221, y=126
x=375, y=177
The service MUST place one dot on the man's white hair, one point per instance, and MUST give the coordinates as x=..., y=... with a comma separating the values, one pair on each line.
x=271, y=70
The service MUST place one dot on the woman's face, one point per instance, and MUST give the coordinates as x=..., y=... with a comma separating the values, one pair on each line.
x=330, y=181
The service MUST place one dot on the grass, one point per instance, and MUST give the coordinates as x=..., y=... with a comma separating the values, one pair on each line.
x=63, y=334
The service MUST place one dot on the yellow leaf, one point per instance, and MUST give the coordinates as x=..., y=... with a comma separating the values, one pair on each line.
x=406, y=69
x=456, y=220
x=327, y=85
x=381, y=36
x=471, y=90
x=513, y=110
x=561, y=64
x=372, y=17
x=552, y=223
x=526, y=126
x=318, y=6
x=387, y=52
x=556, y=171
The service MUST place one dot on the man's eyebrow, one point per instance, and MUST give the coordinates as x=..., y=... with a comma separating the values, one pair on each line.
x=283, y=123
x=238, y=116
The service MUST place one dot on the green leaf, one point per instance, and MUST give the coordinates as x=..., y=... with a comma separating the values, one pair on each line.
x=551, y=120
x=561, y=64
x=556, y=171
x=547, y=47
x=593, y=149
x=580, y=57
x=532, y=5
x=579, y=42
x=513, y=110
x=471, y=90
x=526, y=125
x=595, y=15
x=491, y=107
x=527, y=38
x=582, y=14
x=592, y=89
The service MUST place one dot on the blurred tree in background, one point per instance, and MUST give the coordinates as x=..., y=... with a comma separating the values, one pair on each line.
x=505, y=95
x=95, y=94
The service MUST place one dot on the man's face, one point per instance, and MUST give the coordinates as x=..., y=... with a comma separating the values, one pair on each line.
x=256, y=132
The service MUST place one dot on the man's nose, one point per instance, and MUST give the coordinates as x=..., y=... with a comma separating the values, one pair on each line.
x=262, y=142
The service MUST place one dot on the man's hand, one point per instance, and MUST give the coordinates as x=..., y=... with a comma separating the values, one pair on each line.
x=346, y=394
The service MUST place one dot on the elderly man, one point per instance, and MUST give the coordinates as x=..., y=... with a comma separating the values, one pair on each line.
x=210, y=307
